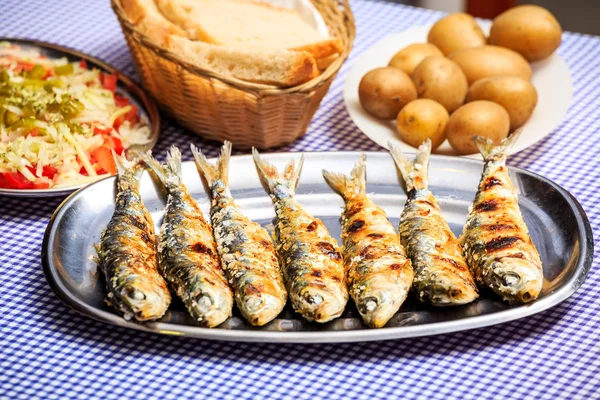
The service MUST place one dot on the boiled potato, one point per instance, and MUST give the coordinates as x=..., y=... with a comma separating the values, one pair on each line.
x=478, y=118
x=384, y=91
x=409, y=57
x=485, y=61
x=517, y=96
x=456, y=32
x=441, y=79
x=531, y=31
x=420, y=120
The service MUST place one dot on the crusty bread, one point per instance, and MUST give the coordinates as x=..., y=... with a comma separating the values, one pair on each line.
x=247, y=24
x=282, y=68
x=149, y=20
x=324, y=62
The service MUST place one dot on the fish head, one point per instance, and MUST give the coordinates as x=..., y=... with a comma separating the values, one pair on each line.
x=260, y=308
x=516, y=279
x=143, y=301
x=321, y=304
x=210, y=306
x=449, y=289
x=378, y=299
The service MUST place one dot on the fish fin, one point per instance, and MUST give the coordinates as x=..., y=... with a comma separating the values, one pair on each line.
x=414, y=172
x=345, y=185
x=123, y=164
x=170, y=173
x=496, y=153
x=213, y=172
x=270, y=177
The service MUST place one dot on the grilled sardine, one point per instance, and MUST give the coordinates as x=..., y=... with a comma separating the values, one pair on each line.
x=127, y=251
x=379, y=274
x=247, y=253
x=442, y=277
x=312, y=266
x=495, y=240
x=187, y=253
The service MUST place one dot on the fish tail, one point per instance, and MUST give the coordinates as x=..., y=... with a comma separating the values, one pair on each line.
x=123, y=164
x=170, y=173
x=414, y=173
x=129, y=172
x=345, y=185
x=496, y=153
x=271, y=178
x=220, y=171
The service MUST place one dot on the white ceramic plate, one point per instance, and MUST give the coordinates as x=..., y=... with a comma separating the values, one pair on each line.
x=551, y=77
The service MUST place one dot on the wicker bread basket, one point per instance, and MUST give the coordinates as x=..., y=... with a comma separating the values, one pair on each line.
x=219, y=107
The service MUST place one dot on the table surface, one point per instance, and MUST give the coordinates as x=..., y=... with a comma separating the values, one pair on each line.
x=48, y=351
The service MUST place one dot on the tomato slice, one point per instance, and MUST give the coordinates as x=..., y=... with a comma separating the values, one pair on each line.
x=132, y=115
x=83, y=64
x=17, y=180
x=4, y=183
x=104, y=159
x=49, y=171
x=109, y=81
x=102, y=130
x=121, y=101
x=118, y=122
x=41, y=184
x=114, y=143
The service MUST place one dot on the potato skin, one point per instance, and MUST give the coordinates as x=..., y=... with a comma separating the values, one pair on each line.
x=384, y=91
x=478, y=118
x=420, y=120
x=409, y=57
x=530, y=30
x=518, y=96
x=456, y=32
x=441, y=79
x=486, y=61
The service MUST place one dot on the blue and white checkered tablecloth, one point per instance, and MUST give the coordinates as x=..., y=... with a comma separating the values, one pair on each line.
x=48, y=351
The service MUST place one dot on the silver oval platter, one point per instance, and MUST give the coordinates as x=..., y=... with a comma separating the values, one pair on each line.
x=556, y=221
x=126, y=87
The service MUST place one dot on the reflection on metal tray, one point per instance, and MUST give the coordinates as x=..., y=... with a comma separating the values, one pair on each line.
x=557, y=224
x=126, y=87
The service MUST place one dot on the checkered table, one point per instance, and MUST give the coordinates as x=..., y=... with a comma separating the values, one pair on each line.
x=48, y=351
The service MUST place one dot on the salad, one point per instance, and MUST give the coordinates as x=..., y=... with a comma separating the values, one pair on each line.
x=60, y=122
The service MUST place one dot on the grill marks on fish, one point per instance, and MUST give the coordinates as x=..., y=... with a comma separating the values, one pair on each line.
x=379, y=274
x=247, y=253
x=457, y=265
x=312, y=226
x=499, y=227
x=495, y=240
x=487, y=205
x=500, y=243
x=127, y=252
x=329, y=250
x=442, y=277
x=491, y=182
x=355, y=226
x=200, y=247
